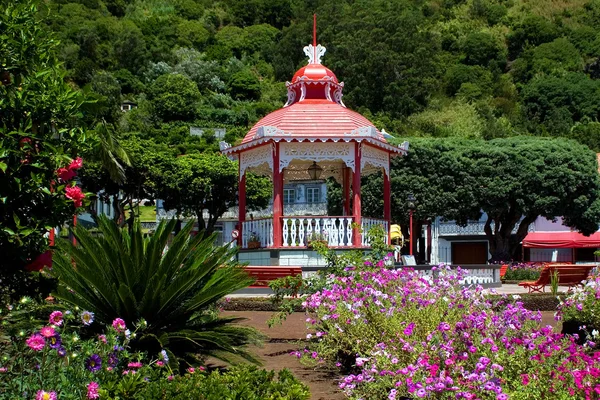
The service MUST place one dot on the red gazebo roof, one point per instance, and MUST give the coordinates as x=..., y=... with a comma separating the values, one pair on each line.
x=313, y=119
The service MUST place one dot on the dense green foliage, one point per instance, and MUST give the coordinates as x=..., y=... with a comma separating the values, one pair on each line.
x=425, y=68
x=166, y=290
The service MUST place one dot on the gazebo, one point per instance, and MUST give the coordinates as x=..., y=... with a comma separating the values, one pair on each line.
x=313, y=136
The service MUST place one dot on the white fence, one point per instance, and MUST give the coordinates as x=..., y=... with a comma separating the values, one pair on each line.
x=336, y=231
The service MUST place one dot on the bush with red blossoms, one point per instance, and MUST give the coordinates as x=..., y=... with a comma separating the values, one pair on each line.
x=396, y=334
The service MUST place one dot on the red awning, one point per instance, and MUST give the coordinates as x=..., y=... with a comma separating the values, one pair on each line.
x=561, y=240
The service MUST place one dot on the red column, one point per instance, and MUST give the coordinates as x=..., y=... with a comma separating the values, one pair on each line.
x=387, y=203
x=241, y=206
x=356, y=212
x=346, y=184
x=277, y=200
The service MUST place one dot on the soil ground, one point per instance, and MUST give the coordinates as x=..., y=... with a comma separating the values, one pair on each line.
x=288, y=336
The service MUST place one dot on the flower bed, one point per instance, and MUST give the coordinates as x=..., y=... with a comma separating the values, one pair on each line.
x=580, y=311
x=397, y=335
x=64, y=360
x=523, y=272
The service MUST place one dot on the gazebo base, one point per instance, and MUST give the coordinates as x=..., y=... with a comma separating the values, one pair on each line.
x=285, y=257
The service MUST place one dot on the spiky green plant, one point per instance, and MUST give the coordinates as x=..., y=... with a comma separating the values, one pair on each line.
x=172, y=287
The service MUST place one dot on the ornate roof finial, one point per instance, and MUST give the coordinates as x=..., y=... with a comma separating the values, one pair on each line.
x=313, y=51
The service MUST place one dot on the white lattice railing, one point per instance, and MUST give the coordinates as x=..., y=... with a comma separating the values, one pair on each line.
x=260, y=228
x=368, y=223
x=450, y=228
x=337, y=231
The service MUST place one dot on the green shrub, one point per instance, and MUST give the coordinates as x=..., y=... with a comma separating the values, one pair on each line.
x=173, y=288
x=242, y=382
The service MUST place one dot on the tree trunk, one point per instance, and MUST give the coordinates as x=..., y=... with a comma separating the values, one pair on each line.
x=503, y=244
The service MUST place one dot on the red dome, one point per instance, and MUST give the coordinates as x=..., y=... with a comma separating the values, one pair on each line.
x=314, y=72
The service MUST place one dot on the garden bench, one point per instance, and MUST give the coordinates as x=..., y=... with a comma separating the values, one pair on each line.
x=266, y=274
x=568, y=275
x=503, y=270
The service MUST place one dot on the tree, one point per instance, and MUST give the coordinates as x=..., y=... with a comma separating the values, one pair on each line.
x=174, y=97
x=549, y=100
x=437, y=173
x=192, y=184
x=520, y=179
x=482, y=48
x=42, y=130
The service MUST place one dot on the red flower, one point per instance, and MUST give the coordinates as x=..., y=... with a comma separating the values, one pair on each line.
x=43, y=260
x=74, y=193
x=76, y=163
x=66, y=174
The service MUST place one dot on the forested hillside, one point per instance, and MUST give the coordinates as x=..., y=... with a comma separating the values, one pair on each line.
x=475, y=68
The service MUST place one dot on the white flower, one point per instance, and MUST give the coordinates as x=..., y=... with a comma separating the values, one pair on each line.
x=516, y=297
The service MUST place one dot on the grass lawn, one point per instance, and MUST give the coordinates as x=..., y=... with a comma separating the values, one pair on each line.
x=147, y=213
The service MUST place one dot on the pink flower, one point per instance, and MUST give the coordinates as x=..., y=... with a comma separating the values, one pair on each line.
x=47, y=331
x=119, y=324
x=74, y=193
x=135, y=364
x=92, y=390
x=160, y=364
x=36, y=342
x=191, y=370
x=3, y=369
x=43, y=395
x=56, y=318
x=102, y=338
x=170, y=377
x=76, y=163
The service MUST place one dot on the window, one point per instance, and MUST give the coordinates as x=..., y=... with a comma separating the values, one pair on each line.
x=289, y=195
x=313, y=195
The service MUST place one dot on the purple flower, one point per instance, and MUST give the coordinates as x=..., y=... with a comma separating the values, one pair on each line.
x=93, y=363
x=61, y=351
x=55, y=341
x=409, y=329
x=113, y=360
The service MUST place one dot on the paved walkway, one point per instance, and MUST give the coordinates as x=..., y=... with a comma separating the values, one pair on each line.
x=504, y=289
x=516, y=289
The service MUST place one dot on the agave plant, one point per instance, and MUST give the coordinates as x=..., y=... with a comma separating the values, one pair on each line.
x=172, y=288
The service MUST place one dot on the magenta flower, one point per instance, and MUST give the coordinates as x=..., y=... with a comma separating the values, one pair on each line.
x=47, y=331
x=119, y=324
x=136, y=364
x=409, y=329
x=56, y=318
x=36, y=342
x=92, y=390
x=43, y=395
